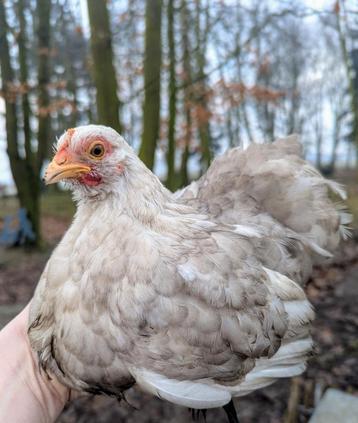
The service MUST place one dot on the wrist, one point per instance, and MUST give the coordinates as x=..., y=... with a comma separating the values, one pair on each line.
x=26, y=394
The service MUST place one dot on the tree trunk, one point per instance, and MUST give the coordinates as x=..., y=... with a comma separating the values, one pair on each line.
x=242, y=112
x=108, y=105
x=183, y=178
x=70, y=71
x=318, y=150
x=152, y=67
x=172, y=100
x=43, y=75
x=203, y=116
x=23, y=171
x=350, y=76
x=332, y=163
x=21, y=40
x=336, y=139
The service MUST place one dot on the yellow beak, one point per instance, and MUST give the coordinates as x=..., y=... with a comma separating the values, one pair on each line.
x=57, y=172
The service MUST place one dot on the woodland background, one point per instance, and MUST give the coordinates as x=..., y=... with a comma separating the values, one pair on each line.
x=183, y=80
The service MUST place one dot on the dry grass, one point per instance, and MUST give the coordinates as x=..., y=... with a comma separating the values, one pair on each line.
x=55, y=204
x=58, y=204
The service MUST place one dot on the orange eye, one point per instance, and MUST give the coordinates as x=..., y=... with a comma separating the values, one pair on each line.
x=97, y=151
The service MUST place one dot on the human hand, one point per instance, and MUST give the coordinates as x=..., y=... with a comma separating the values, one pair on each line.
x=26, y=394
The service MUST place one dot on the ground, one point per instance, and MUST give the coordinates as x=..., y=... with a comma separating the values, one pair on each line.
x=333, y=290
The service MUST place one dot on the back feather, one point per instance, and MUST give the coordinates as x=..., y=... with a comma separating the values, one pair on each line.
x=270, y=186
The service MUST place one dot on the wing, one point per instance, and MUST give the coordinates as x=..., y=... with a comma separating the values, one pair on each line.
x=41, y=323
x=271, y=187
x=219, y=324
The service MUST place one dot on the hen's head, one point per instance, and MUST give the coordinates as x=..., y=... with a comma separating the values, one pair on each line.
x=92, y=159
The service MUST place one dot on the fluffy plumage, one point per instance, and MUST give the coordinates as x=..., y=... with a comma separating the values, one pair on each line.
x=194, y=296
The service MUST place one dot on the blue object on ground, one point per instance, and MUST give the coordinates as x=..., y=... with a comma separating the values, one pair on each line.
x=17, y=230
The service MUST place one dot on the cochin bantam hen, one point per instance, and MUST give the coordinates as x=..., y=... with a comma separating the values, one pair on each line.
x=193, y=296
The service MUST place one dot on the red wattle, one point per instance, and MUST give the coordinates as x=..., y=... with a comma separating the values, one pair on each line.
x=91, y=180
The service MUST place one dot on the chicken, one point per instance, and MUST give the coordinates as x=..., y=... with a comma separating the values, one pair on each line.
x=193, y=296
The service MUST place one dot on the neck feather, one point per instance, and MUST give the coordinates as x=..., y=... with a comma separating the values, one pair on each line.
x=137, y=193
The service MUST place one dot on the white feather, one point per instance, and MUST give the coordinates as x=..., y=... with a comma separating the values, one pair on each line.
x=192, y=394
x=345, y=218
x=288, y=350
x=317, y=249
x=289, y=360
x=248, y=231
x=188, y=272
x=278, y=371
x=299, y=312
x=337, y=188
x=284, y=287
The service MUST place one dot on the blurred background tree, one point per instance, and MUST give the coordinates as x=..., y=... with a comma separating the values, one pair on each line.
x=182, y=80
x=26, y=161
x=152, y=81
x=104, y=75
